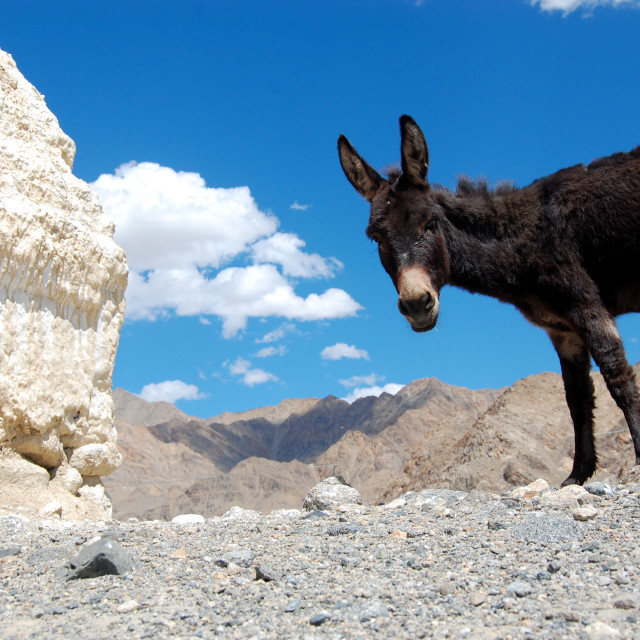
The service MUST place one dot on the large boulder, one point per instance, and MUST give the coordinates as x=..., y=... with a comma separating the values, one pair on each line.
x=62, y=284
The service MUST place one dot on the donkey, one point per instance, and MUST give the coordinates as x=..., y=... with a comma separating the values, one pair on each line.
x=564, y=250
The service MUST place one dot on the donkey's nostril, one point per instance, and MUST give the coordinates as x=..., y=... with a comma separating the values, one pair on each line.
x=416, y=306
x=404, y=306
x=427, y=301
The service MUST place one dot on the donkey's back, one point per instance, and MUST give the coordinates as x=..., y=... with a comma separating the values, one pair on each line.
x=593, y=212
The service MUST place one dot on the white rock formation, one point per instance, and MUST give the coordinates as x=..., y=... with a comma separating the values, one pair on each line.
x=62, y=283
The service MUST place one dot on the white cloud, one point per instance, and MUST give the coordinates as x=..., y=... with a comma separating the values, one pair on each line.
x=299, y=207
x=234, y=294
x=363, y=392
x=249, y=375
x=267, y=352
x=568, y=6
x=284, y=249
x=170, y=391
x=168, y=219
x=277, y=334
x=363, y=386
x=342, y=350
x=179, y=234
x=356, y=381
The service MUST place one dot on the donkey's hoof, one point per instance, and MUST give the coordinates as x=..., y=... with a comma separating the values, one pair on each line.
x=571, y=480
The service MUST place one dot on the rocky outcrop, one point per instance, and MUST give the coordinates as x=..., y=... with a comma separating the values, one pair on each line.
x=62, y=283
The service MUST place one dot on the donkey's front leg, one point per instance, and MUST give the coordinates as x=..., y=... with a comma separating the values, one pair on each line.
x=575, y=362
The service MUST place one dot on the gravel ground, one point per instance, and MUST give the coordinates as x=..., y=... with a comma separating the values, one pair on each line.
x=433, y=564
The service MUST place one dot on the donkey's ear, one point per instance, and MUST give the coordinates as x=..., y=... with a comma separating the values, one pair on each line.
x=364, y=178
x=414, y=150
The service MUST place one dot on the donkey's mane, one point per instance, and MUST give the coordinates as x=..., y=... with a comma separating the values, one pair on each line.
x=466, y=186
x=480, y=187
x=393, y=174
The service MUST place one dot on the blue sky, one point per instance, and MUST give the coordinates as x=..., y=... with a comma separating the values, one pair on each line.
x=209, y=130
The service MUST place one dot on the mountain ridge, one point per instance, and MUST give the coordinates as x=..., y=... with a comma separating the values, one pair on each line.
x=429, y=434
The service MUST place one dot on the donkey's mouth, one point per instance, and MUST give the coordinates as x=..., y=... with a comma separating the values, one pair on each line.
x=423, y=326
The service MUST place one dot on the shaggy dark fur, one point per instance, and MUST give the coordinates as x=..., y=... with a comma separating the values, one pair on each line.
x=564, y=250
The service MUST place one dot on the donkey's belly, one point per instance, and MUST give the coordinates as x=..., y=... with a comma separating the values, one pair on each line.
x=627, y=300
x=542, y=315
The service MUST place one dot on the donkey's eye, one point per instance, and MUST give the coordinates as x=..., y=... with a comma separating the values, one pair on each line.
x=429, y=226
x=376, y=237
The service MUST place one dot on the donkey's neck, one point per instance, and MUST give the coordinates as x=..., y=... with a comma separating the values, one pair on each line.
x=484, y=235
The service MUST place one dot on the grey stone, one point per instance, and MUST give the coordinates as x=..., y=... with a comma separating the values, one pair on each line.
x=625, y=603
x=520, y=588
x=292, y=605
x=267, y=573
x=315, y=514
x=319, y=618
x=372, y=609
x=496, y=525
x=100, y=558
x=554, y=566
x=350, y=560
x=599, y=489
x=242, y=558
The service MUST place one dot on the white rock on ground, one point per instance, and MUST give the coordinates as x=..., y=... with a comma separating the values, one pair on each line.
x=330, y=494
x=62, y=283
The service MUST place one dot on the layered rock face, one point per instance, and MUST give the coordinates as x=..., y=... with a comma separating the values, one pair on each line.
x=62, y=283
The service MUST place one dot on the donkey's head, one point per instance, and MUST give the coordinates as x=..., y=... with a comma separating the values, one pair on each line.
x=405, y=221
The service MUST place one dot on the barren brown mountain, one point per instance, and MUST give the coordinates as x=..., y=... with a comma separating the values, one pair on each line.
x=430, y=434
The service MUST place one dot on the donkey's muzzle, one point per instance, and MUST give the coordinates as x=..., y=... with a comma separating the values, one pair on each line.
x=418, y=302
x=421, y=312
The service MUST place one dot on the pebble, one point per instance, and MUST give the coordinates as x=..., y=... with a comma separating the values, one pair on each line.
x=318, y=619
x=128, y=607
x=520, y=588
x=434, y=564
x=584, y=513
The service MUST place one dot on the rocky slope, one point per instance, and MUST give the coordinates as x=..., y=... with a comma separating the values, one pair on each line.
x=428, y=435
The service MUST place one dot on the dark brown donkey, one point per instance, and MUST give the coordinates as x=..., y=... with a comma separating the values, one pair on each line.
x=565, y=251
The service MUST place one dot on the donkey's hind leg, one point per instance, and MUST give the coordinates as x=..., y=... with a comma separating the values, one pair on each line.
x=600, y=333
x=575, y=362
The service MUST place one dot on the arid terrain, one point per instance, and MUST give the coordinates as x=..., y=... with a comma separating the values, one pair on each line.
x=428, y=435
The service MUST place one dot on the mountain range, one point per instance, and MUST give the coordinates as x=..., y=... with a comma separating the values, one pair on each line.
x=429, y=434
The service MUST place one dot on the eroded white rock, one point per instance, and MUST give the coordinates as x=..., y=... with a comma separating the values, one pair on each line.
x=62, y=283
